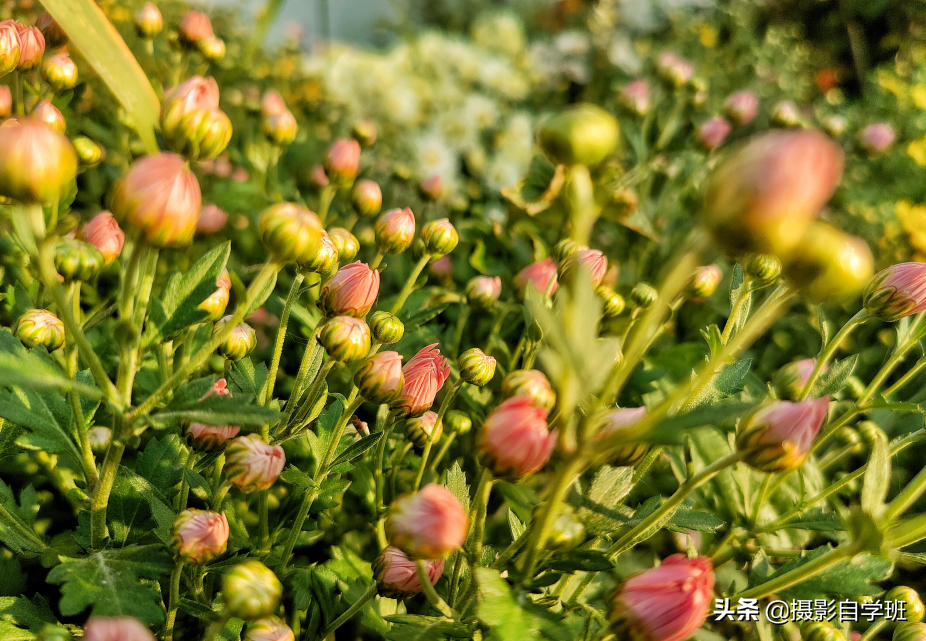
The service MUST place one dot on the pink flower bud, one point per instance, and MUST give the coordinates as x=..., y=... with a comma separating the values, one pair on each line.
x=198, y=536
x=612, y=423
x=10, y=47
x=483, y=292
x=442, y=270
x=272, y=103
x=877, y=138
x=220, y=387
x=6, y=101
x=364, y=131
x=208, y=438
x=103, y=232
x=705, y=281
x=317, y=177
x=40, y=327
x=898, y=291
x=251, y=464
x=429, y=524
x=515, y=440
x=291, y=233
x=351, y=291
x=380, y=379
x=194, y=26
x=425, y=373
x=790, y=380
x=269, y=629
x=397, y=576
x=281, y=128
x=367, y=197
x=116, y=629
x=211, y=220
x=32, y=46
x=325, y=258
x=345, y=242
x=346, y=339
x=476, y=367
x=37, y=165
x=395, y=230
x=148, y=21
x=531, y=384
x=712, y=133
x=48, y=114
x=60, y=72
x=589, y=260
x=217, y=302
x=673, y=68
x=422, y=428
x=343, y=160
x=191, y=95
x=667, y=603
x=540, y=275
x=439, y=237
x=635, y=96
x=778, y=437
x=431, y=187
x=785, y=114
x=741, y=107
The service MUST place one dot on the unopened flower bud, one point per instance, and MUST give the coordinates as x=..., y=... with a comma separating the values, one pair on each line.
x=291, y=233
x=822, y=631
x=160, y=197
x=910, y=631
x=208, y=438
x=420, y=429
x=367, y=197
x=476, y=367
x=148, y=21
x=194, y=26
x=835, y=125
x=89, y=153
x=202, y=134
x=194, y=94
x=741, y=107
x=215, y=305
x=53, y=632
x=540, y=275
x=60, y=72
x=380, y=378
x=78, y=261
x=877, y=138
x=644, y=295
x=582, y=134
x=342, y=161
x=914, y=609
x=790, y=380
x=566, y=530
x=351, y=291
x=442, y=270
x=425, y=374
x=269, y=629
x=531, y=384
x=614, y=422
x=325, y=258
x=712, y=133
x=431, y=187
x=251, y=464
x=40, y=327
x=364, y=132
x=32, y=46
x=103, y=232
x=785, y=114
x=345, y=338
x=395, y=230
x=515, y=440
x=635, y=96
x=592, y=261
x=212, y=48
x=705, y=281
x=10, y=47
x=674, y=69
x=778, y=438
x=251, y=590
x=198, y=536
x=6, y=101
x=48, y=114
x=345, y=242
x=762, y=268
x=211, y=219
x=387, y=329
x=429, y=524
x=829, y=265
x=37, y=165
x=280, y=129
x=612, y=303
x=898, y=291
x=458, y=422
x=439, y=237
x=99, y=438
x=397, y=575
x=116, y=629
x=483, y=292
x=565, y=248
x=239, y=343
x=667, y=603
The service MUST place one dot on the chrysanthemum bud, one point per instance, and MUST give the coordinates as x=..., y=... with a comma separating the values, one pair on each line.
x=272, y=103
x=239, y=343
x=148, y=21
x=515, y=440
x=674, y=69
x=99, y=437
x=442, y=270
x=712, y=133
x=212, y=48
x=211, y=220
x=765, y=196
x=194, y=94
x=910, y=631
x=565, y=248
x=778, y=437
x=202, y=134
x=425, y=373
x=835, y=125
x=822, y=631
x=89, y=153
x=387, y=329
x=914, y=609
x=54, y=632
x=898, y=291
x=583, y=134
x=37, y=164
x=345, y=242
x=269, y=629
x=431, y=187
x=10, y=47
x=317, y=177
x=198, y=536
x=208, y=438
x=829, y=265
x=60, y=72
x=380, y=378
x=215, y=305
x=116, y=629
x=877, y=138
x=420, y=429
x=351, y=291
x=325, y=258
x=251, y=464
x=635, y=96
x=345, y=338
x=364, y=132
x=531, y=384
x=612, y=303
x=611, y=423
x=790, y=380
x=483, y=292
x=342, y=161
x=32, y=46
x=395, y=230
x=592, y=261
x=644, y=295
x=439, y=237
x=367, y=197
x=280, y=129
x=397, y=576
x=160, y=197
x=741, y=107
x=76, y=260
x=6, y=101
x=785, y=114
x=762, y=268
x=540, y=275
x=458, y=422
x=103, y=232
x=566, y=530
x=476, y=367
x=194, y=26
x=667, y=603
x=429, y=524
x=40, y=327
x=48, y=114
x=705, y=281
x=291, y=233
x=251, y=590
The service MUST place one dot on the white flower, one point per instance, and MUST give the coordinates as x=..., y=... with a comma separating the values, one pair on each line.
x=500, y=31
x=481, y=111
x=572, y=43
x=436, y=158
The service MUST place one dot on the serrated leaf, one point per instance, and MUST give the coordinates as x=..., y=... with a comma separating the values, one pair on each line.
x=816, y=520
x=114, y=583
x=9, y=632
x=834, y=379
x=737, y=283
x=46, y=418
x=325, y=426
x=32, y=615
x=23, y=516
x=422, y=316
x=576, y=560
x=686, y=519
x=196, y=609
x=517, y=528
x=294, y=476
x=852, y=578
x=726, y=383
x=329, y=493
x=249, y=378
x=456, y=483
x=218, y=409
x=498, y=610
x=358, y=449
x=417, y=627
x=161, y=461
x=129, y=484
x=198, y=485
x=599, y=508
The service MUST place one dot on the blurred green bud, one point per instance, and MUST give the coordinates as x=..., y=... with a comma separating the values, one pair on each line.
x=50, y=632
x=476, y=367
x=644, y=295
x=387, y=329
x=40, y=327
x=59, y=72
x=828, y=265
x=346, y=244
x=280, y=128
x=613, y=303
x=367, y=197
x=482, y=292
x=251, y=590
x=201, y=134
x=212, y=48
x=239, y=343
x=705, y=281
x=458, y=422
x=148, y=21
x=910, y=631
x=325, y=257
x=439, y=237
x=422, y=428
x=364, y=132
x=914, y=609
x=785, y=114
x=291, y=233
x=565, y=248
x=822, y=631
x=88, y=152
x=855, y=387
x=76, y=260
x=583, y=134
x=762, y=268
x=566, y=531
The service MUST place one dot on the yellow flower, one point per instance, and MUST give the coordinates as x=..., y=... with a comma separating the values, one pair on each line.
x=919, y=96
x=917, y=151
x=913, y=219
x=708, y=35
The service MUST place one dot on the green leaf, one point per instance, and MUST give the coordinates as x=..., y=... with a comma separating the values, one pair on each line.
x=329, y=493
x=737, y=283
x=517, y=528
x=247, y=377
x=816, y=520
x=129, y=485
x=16, y=525
x=422, y=316
x=686, y=519
x=325, y=426
x=32, y=615
x=294, y=476
x=98, y=42
x=877, y=479
x=417, y=627
x=9, y=632
x=671, y=430
x=196, y=609
x=728, y=382
x=40, y=375
x=45, y=421
x=575, y=560
x=852, y=578
x=262, y=295
x=456, y=483
x=218, y=409
x=161, y=462
x=9, y=433
x=358, y=449
x=499, y=611
x=114, y=583
x=834, y=379
x=600, y=507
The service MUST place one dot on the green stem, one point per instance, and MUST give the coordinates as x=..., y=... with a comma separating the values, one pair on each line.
x=907, y=533
x=429, y=591
x=872, y=631
x=481, y=499
x=377, y=260
x=799, y=574
x=458, y=332
x=173, y=602
x=324, y=204
x=184, y=495
x=440, y=417
x=19, y=107
x=263, y=536
x=379, y=482
x=830, y=349
x=100, y=499
x=350, y=613
x=220, y=495
x=308, y=357
x=443, y=450
x=87, y=462
x=906, y=378
x=907, y=497
x=733, y=320
x=407, y=287
x=267, y=392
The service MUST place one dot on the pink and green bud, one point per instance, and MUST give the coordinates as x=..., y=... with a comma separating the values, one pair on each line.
x=762, y=268
x=785, y=114
x=212, y=48
x=515, y=440
x=424, y=428
x=667, y=603
x=439, y=237
x=346, y=339
x=272, y=103
x=77, y=261
x=345, y=242
x=387, y=329
x=442, y=270
x=397, y=576
x=104, y=233
x=898, y=291
x=531, y=384
x=613, y=422
x=32, y=46
x=877, y=138
x=251, y=590
x=10, y=47
x=280, y=129
x=89, y=153
x=829, y=265
x=822, y=631
x=674, y=69
x=251, y=464
x=380, y=378
x=325, y=258
x=202, y=134
x=342, y=161
x=269, y=629
x=239, y=343
x=215, y=305
x=429, y=524
x=741, y=107
x=367, y=197
x=612, y=303
x=211, y=220
x=291, y=233
x=194, y=26
x=60, y=72
x=198, y=536
x=364, y=132
x=790, y=380
x=712, y=133
x=778, y=438
x=635, y=97
x=705, y=281
x=565, y=248
x=476, y=367
x=116, y=629
x=148, y=21
x=6, y=101
x=425, y=374
x=431, y=187
x=583, y=134
x=48, y=114
x=160, y=198
x=351, y=291
x=483, y=292
x=835, y=125
x=458, y=422
x=194, y=94
x=40, y=327
x=591, y=261
x=317, y=177
x=643, y=295
x=395, y=230
x=540, y=275
x=208, y=438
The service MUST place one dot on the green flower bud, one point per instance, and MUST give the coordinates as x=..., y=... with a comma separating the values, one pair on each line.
x=148, y=21
x=88, y=152
x=419, y=429
x=40, y=327
x=583, y=134
x=705, y=281
x=60, y=72
x=829, y=265
x=644, y=295
x=439, y=237
x=367, y=197
x=914, y=609
x=785, y=114
x=251, y=590
x=325, y=258
x=822, y=631
x=910, y=631
x=476, y=367
x=482, y=292
x=345, y=338
x=458, y=422
x=387, y=329
x=212, y=48
x=762, y=268
x=76, y=260
x=346, y=244
x=566, y=531
x=291, y=233
x=38, y=164
x=50, y=632
x=565, y=248
x=239, y=343
x=280, y=128
x=364, y=132
x=613, y=303
x=202, y=134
